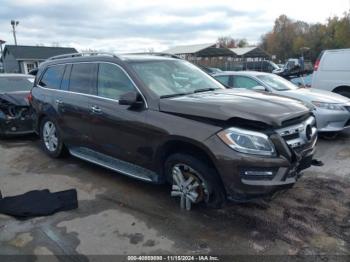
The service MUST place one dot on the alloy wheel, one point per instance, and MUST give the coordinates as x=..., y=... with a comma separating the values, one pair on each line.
x=188, y=185
x=50, y=136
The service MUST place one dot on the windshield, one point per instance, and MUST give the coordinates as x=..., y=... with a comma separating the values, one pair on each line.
x=174, y=77
x=215, y=70
x=274, y=65
x=16, y=83
x=276, y=82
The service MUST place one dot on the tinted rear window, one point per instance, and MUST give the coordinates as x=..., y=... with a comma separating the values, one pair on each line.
x=16, y=83
x=83, y=78
x=52, y=77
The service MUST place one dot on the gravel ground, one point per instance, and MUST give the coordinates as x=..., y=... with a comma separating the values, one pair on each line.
x=119, y=215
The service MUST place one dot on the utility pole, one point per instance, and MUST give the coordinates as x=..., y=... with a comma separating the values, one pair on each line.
x=14, y=25
x=1, y=43
x=2, y=54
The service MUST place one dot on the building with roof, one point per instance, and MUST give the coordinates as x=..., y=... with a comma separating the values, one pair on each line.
x=213, y=56
x=200, y=50
x=251, y=52
x=23, y=59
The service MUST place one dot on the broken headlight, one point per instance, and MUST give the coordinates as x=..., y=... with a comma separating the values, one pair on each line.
x=249, y=142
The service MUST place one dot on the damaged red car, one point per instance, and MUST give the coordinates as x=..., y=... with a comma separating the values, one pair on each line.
x=16, y=115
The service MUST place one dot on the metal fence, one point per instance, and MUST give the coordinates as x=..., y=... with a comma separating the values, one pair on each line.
x=232, y=64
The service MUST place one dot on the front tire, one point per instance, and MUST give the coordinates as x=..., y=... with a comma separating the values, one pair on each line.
x=51, y=139
x=329, y=135
x=194, y=182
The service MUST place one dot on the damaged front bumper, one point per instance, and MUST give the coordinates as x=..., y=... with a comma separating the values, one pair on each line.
x=247, y=176
x=301, y=158
x=16, y=125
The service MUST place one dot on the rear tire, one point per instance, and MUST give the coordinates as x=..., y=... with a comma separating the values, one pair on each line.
x=51, y=139
x=209, y=190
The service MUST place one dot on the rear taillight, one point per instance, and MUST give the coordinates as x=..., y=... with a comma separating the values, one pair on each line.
x=317, y=64
x=30, y=97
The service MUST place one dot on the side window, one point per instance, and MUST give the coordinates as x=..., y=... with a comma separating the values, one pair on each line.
x=65, y=78
x=223, y=79
x=265, y=66
x=270, y=68
x=112, y=81
x=83, y=78
x=244, y=82
x=52, y=77
x=290, y=65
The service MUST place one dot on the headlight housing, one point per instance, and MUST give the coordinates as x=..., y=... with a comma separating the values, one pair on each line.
x=248, y=142
x=329, y=106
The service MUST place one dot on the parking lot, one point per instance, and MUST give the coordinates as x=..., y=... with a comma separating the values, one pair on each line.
x=119, y=215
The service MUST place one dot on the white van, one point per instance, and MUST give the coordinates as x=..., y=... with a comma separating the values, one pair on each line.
x=332, y=71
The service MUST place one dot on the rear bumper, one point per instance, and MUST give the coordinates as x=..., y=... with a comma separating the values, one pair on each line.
x=248, y=176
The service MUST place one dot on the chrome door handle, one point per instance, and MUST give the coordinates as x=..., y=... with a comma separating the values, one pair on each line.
x=58, y=101
x=96, y=109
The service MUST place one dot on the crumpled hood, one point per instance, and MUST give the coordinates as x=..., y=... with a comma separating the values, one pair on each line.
x=16, y=98
x=230, y=103
x=312, y=94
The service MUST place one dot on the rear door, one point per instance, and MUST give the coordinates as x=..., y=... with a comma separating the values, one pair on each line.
x=78, y=83
x=50, y=94
x=334, y=70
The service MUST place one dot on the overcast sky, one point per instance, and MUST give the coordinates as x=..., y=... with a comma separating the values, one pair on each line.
x=137, y=25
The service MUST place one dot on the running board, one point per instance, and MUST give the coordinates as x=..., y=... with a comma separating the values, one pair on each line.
x=114, y=164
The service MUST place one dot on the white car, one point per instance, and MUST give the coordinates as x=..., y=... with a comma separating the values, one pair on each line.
x=332, y=111
x=332, y=72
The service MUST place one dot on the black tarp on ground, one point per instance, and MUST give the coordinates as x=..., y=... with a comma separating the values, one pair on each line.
x=38, y=203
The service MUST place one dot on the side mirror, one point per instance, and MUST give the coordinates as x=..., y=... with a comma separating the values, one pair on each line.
x=259, y=88
x=130, y=99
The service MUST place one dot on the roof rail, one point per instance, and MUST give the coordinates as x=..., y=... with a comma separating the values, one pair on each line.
x=156, y=54
x=82, y=54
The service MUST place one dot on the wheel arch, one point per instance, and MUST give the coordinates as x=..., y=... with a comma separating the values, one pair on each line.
x=47, y=112
x=185, y=146
x=341, y=88
x=37, y=123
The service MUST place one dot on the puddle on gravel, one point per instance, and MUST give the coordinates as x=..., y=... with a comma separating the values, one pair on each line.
x=344, y=154
x=115, y=232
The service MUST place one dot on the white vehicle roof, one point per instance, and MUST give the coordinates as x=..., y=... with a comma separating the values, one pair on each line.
x=247, y=73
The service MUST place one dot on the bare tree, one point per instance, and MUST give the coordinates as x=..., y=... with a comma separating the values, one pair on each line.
x=226, y=42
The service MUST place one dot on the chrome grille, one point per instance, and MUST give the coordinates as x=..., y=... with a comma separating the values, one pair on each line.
x=299, y=134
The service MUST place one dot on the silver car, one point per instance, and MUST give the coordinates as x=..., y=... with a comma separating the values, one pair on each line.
x=332, y=111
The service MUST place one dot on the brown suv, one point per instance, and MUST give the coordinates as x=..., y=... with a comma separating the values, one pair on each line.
x=162, y=119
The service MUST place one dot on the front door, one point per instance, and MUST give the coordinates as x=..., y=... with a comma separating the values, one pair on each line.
x=118, y=130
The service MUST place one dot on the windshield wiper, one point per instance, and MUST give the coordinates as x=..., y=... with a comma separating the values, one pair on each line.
x=204, y=90
x=195, y=91
x=174, y=95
